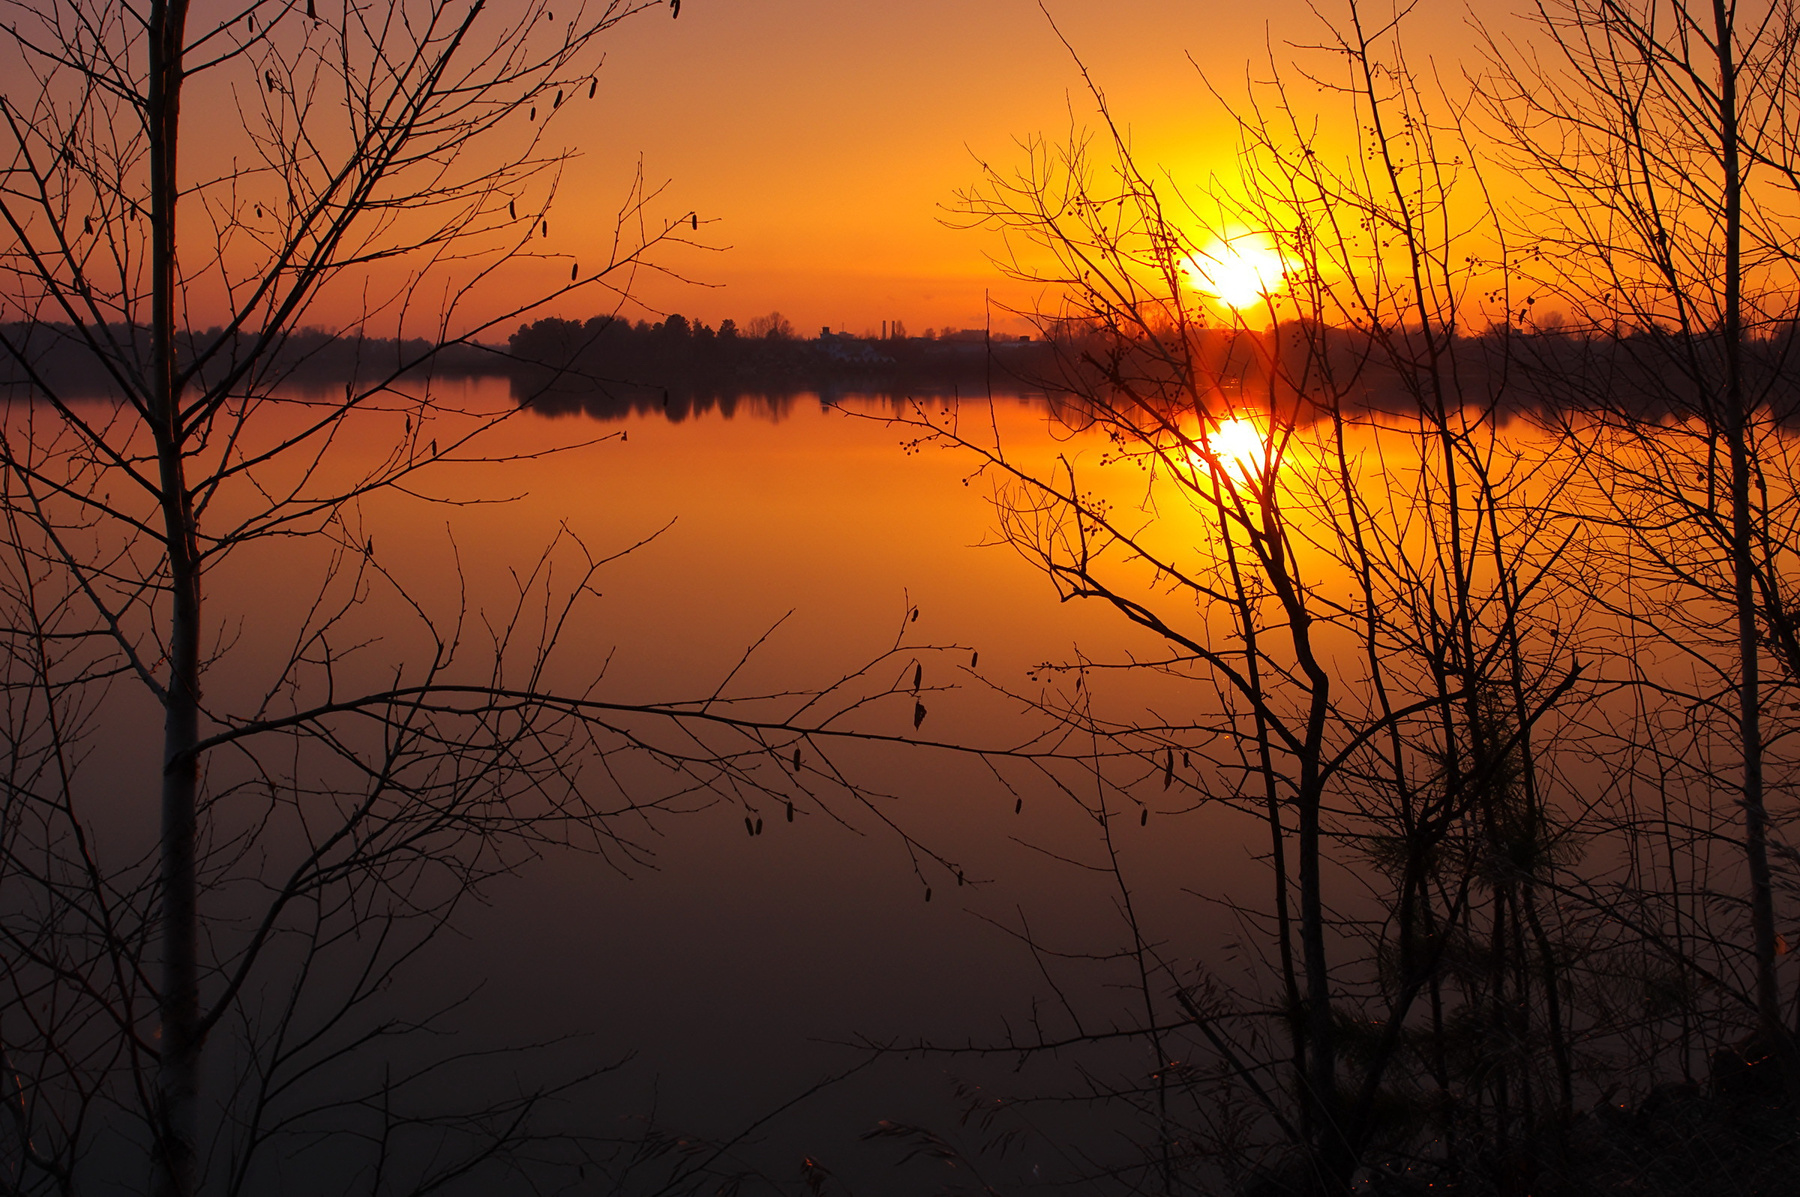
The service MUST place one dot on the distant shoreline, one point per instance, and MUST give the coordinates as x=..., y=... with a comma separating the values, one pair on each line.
x=610, y=368
x=557, y=365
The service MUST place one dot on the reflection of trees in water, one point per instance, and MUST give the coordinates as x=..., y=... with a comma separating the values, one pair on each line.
x=616, y=359
x=618, y=403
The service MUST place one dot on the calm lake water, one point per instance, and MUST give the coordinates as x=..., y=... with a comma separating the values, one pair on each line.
x=730, y=972
x=737, y=965
x=765, y=549
x=944, y=905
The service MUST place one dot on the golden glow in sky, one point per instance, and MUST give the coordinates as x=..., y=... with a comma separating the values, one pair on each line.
x=823, y=143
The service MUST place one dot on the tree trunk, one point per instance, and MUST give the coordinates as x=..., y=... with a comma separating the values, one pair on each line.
x=178, y=1069
x=1743, y=561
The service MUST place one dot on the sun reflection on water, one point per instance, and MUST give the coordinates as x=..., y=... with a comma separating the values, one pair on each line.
x=1237, y=442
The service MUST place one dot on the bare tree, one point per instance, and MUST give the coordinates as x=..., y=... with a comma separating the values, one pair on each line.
x=1354, y=575
x=1469, y=533
x=1658, y=141
x=325, y=805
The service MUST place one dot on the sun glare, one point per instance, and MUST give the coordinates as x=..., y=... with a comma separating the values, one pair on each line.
x=1239, y=442
x=1238, y=271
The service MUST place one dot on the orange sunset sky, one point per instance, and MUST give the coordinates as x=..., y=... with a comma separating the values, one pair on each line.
x=825, y=139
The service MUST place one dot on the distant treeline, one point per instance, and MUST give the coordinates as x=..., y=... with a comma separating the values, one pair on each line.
x=1308, y=368
x=609, y=366
x=605, y=366
x=63, y=360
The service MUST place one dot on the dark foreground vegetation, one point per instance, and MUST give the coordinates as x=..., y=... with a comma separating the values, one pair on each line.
x=1469, y=558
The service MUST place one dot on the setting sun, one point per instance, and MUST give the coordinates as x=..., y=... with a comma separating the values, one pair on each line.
x=1238, y=271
